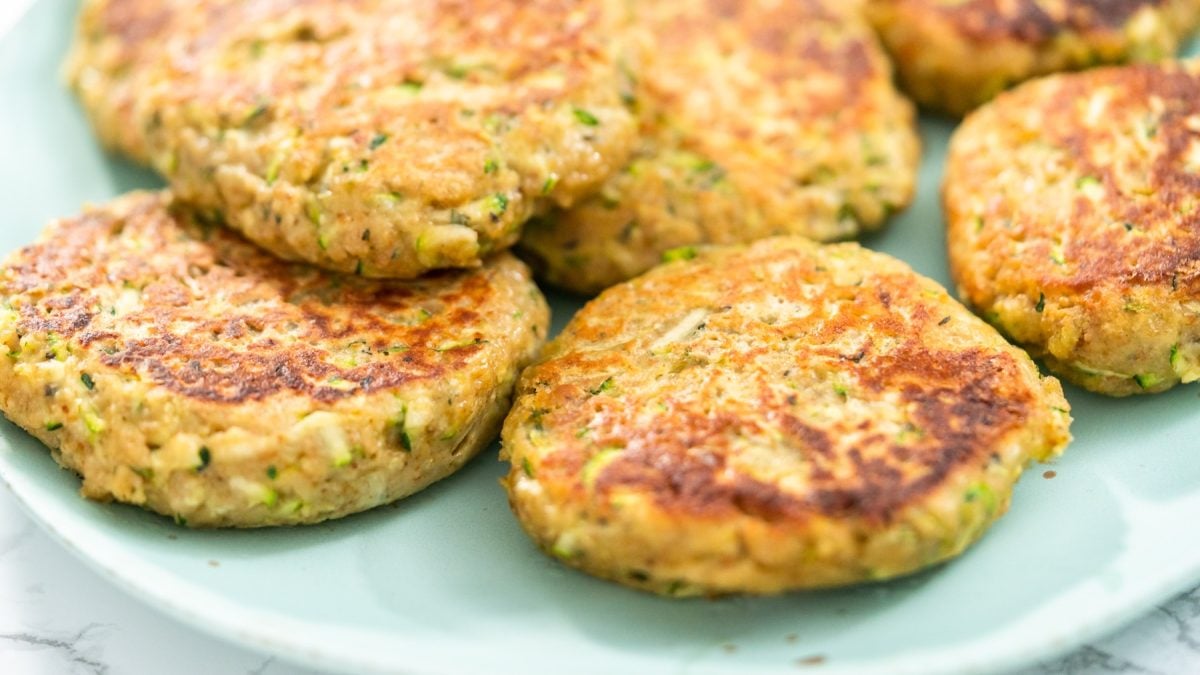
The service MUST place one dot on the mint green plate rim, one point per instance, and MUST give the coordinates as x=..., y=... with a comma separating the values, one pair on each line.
x=446, y=582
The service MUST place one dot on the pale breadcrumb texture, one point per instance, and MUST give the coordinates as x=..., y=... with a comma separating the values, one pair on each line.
x=379, y=137
x=177, y=367
x=1074, y=223
x=769, y=418
x=954, y=55
x=758, y=118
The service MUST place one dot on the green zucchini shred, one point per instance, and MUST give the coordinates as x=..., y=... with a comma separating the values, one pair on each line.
x=679, y=253
x=586, y=118
x=205, y=456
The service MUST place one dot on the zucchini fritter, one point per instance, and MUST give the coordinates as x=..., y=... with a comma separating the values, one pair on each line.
x=177, y=367
x=954, y=56
x=775, y=417
x=379, y=137
x=1073, y=206
x=758, y=118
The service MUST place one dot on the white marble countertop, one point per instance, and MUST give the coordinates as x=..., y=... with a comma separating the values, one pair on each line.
x=58, y=616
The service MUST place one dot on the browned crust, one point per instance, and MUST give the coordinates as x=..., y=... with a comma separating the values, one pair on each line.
x=284, y=323
x=964, y=390
x=1030, y=21
x=1073, y=214
x=1171, y=254
x=957, y=56
x=1146, y=236
x=885, y=476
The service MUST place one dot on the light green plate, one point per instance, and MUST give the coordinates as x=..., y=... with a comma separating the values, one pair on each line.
x=446, y=582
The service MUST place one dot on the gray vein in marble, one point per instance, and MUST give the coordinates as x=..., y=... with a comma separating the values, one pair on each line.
x=1184, y=612
x=262, y=667
x=1091, y=659
x=69, y=646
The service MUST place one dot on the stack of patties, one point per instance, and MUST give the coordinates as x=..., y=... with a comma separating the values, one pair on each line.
x=176, y=366
x=746, y=418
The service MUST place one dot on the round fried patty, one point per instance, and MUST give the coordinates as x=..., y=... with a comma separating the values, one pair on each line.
x=758, y=118
x=381, y=137
x=775, y=417
x=177, y=367
x=954, y=56
x=1073, y=206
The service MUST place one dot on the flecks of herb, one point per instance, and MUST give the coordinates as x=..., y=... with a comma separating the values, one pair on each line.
x=257, y=113
x=397, y=433
x=680, y=253
x=498, y=205
x=585, y=117
x=604, y=386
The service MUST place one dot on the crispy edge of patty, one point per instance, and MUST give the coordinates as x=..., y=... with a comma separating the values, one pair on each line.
x=436, y=170
x=193, y=416
x=1072, y=224
x=805, y=135
x=953, y=58
x=655, y=501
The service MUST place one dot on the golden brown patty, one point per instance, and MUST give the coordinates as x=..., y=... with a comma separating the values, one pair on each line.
x=382, y=137
x=774, y=417
x=758, y=118
x=954, y=56
x=1073, y=206
x=177, y=367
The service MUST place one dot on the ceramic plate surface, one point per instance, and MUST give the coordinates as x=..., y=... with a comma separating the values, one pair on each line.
x=446, y=581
